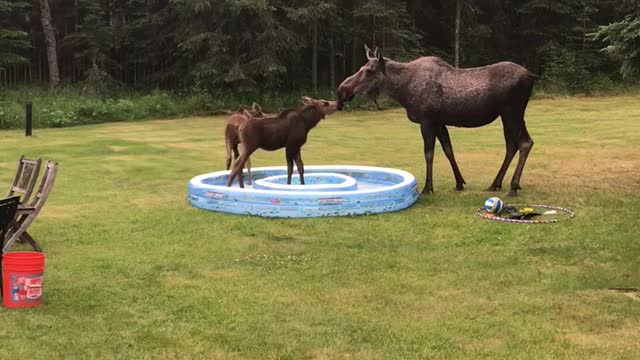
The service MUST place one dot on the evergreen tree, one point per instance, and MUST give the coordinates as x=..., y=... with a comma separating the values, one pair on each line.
x=387, y=24
x=12, y=41
x=623, y=38
x=313, y=15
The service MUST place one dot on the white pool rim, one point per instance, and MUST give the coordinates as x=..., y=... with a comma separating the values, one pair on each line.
x=408, y=179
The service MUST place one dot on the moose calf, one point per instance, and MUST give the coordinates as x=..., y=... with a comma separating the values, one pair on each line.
x=231, y=138
x=287, y=130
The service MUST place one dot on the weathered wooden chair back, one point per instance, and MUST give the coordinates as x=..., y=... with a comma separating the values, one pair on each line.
x=27, y=213
x=46, y=184
x=25, y=179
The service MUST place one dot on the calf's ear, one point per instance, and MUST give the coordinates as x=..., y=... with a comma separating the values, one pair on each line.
x=307, y=100
x=368, y=52
x=256, y=107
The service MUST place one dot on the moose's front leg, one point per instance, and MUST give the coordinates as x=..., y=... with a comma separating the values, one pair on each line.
x=429, y=138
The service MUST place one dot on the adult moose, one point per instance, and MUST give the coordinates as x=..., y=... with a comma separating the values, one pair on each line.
x=436, y=95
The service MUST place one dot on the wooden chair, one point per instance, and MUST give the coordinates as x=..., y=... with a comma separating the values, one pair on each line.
x=25, y=179
x=8, y=209
x=27, y=212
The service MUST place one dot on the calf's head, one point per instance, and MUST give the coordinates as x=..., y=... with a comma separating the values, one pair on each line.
x=323, y=106
x=366, y=82
x=256, y=110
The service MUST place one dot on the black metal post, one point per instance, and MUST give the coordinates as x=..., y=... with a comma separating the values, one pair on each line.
x=29, y=124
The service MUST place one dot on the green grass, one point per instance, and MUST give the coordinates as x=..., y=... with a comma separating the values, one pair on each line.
x=133, y=271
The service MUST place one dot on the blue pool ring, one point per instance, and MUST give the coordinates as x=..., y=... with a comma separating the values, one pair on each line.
x=378, y=190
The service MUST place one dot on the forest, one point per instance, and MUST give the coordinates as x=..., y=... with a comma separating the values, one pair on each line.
x=285, y=46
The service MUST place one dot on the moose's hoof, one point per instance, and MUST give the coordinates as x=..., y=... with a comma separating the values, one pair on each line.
x=514, y=190
x=426, y=191
x=459, y=187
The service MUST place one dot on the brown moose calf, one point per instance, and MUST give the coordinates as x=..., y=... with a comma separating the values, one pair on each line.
x=231, y=137
x=287, y=130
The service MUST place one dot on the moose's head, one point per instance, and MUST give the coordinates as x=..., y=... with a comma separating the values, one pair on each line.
x=366, y=82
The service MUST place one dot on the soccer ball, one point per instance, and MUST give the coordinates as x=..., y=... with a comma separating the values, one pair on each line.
x=493, y=205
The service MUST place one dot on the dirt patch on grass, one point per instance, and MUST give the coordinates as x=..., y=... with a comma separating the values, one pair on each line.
x=117, y=148
x=154, y=200
x=322, y=354
x=63, y=212
x=598, y=169
x=189, y=145
x=150, y=139
x=612, y=340
x=632, y=293
x=590, y=328
x=348, y=299
x=599, y=173
x=132, y=158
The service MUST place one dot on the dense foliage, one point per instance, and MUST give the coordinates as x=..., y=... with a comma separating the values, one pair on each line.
x=282, y=45
x=624, y=40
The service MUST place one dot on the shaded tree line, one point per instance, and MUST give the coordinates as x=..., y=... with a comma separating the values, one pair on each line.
x=282, y=45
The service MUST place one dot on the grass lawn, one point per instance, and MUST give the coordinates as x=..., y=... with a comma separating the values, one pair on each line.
x=133, y=271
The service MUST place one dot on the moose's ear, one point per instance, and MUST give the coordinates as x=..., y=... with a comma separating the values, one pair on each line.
x=368, y=52
x=376, y=53
x=381, y=63
x=256, y=107
x=307, y=100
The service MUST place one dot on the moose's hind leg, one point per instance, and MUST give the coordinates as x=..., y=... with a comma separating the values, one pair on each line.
x=511, y=150
x=525, y=143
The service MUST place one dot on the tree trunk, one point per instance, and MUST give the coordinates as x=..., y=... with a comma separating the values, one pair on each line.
x=584, y=27
x=50, y=42
x=314, y=61
x=373, y=33
x=344, y=60
x=457, y=39
x=353, y=55
x=332, y=64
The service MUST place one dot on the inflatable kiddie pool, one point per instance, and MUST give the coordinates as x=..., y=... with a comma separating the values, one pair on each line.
x=330, y=190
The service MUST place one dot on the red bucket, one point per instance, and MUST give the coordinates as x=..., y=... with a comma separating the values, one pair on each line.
x=22, y=274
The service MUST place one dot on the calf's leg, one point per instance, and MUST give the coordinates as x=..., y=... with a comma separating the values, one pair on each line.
x=237, y=171
x=291, y=155
x=238, y=166
x=300, y=166
x=248, y=166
